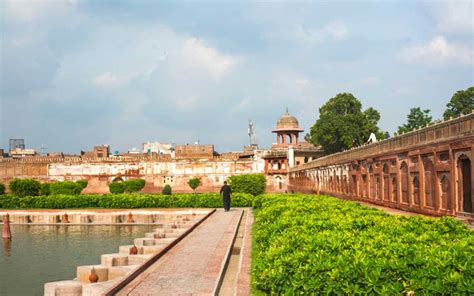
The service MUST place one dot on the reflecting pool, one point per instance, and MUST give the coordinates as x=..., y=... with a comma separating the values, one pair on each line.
x=45, y=253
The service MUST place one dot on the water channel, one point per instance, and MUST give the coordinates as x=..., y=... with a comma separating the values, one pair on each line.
x=44, y=253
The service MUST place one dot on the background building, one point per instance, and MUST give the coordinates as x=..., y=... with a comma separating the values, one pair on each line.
x=159, y=148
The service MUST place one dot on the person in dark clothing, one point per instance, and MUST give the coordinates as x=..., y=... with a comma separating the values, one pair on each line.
x=226, y=193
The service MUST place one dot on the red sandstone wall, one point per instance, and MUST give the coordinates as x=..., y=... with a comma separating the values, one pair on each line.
x=428, y=171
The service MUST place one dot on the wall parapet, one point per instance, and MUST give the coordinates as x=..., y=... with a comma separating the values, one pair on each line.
x=453, y=129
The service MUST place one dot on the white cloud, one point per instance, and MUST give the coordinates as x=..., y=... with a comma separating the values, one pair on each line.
x=335, y=30
x=196, y=55
x=454, y=16
x=109, y=80
x=302, y=82
x=27, y=11
x=437, y=52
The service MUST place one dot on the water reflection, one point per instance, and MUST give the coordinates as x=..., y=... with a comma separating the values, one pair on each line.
x=45, y=253
x=7, y=246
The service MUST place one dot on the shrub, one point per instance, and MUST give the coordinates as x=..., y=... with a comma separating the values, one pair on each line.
x=2, y=188
x=133, y=185
x=167, y=190
x=65, y=187
x=83, y=183
x=253, y=184
x=194, y=183
x=308, y=244
x=122, y=201
x=25, y=187
x=116, y=187
x=45, y=189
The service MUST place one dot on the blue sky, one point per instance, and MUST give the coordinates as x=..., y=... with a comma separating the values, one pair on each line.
x=79, y=73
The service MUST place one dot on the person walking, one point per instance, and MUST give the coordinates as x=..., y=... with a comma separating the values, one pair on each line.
x=226, y=194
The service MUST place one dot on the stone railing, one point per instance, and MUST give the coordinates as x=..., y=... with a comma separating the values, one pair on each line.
x=460, y=127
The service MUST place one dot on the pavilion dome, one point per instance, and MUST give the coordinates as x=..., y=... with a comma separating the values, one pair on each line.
x=287, y=122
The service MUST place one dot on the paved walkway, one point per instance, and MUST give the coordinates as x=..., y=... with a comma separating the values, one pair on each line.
x=194, y=265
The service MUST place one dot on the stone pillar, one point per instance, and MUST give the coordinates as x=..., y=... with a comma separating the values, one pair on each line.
x=399, y=183
x=437, y=193
x=421, y=175
x=291, y=157
x=410, y=183
x=454, y=195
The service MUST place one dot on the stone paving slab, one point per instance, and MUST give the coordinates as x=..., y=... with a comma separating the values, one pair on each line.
x=193, y=266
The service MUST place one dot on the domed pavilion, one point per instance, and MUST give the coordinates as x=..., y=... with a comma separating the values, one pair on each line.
x=287, y=130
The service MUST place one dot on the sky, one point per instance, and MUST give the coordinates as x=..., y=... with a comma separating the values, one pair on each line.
x=80, y=73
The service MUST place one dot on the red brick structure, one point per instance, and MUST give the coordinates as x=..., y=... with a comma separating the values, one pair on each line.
x=99, y=152
x=429, y=171
x=194, y=151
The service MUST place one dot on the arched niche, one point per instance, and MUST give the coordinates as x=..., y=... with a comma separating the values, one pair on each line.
x=465, y=198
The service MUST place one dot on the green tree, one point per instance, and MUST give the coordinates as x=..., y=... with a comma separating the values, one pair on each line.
x=194, y=183
x=25, y=187
x=342, y=124
x=462, y=102
x=417, y=118
x=167, y=190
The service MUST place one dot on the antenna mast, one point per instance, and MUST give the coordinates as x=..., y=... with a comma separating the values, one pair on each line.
x=251, y=133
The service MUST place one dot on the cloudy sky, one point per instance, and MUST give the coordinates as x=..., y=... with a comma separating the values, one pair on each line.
x=79, y=73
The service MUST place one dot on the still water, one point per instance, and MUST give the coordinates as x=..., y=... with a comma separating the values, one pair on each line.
x=38, y=254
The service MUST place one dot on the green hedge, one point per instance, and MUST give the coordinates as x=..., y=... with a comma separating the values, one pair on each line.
x=133, y=185
x=253, y=184
x=116, y=187
x=45, y=189
x=122, y=201
x=25, y=187
x=2, y=188
x=65, y=187
x=308, y=244
x=82, y=183
x=129, y=186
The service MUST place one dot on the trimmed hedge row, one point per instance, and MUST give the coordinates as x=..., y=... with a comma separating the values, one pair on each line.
x=308, y=244
x=129, y=186
x=121, y=201
x=254, y=184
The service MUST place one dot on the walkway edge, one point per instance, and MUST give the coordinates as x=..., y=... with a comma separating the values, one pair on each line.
x=128, y=279
x=225, y=263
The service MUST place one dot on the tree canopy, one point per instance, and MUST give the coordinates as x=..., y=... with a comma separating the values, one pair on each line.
x=462, y=102
x=417, y=118
x=342, y=124
x=194, y=183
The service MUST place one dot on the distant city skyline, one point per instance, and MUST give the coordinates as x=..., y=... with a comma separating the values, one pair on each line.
x=75, y=74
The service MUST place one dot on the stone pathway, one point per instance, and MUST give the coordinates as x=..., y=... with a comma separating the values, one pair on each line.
x=195, y=264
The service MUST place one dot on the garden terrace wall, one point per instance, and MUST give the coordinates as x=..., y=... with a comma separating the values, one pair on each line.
x=156, y=171
x=429, y=171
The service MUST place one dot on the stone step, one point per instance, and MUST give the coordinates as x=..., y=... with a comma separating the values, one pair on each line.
x=69, y=288
x=114, y=259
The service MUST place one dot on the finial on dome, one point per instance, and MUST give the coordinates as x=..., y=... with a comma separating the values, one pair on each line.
x=287, y=110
